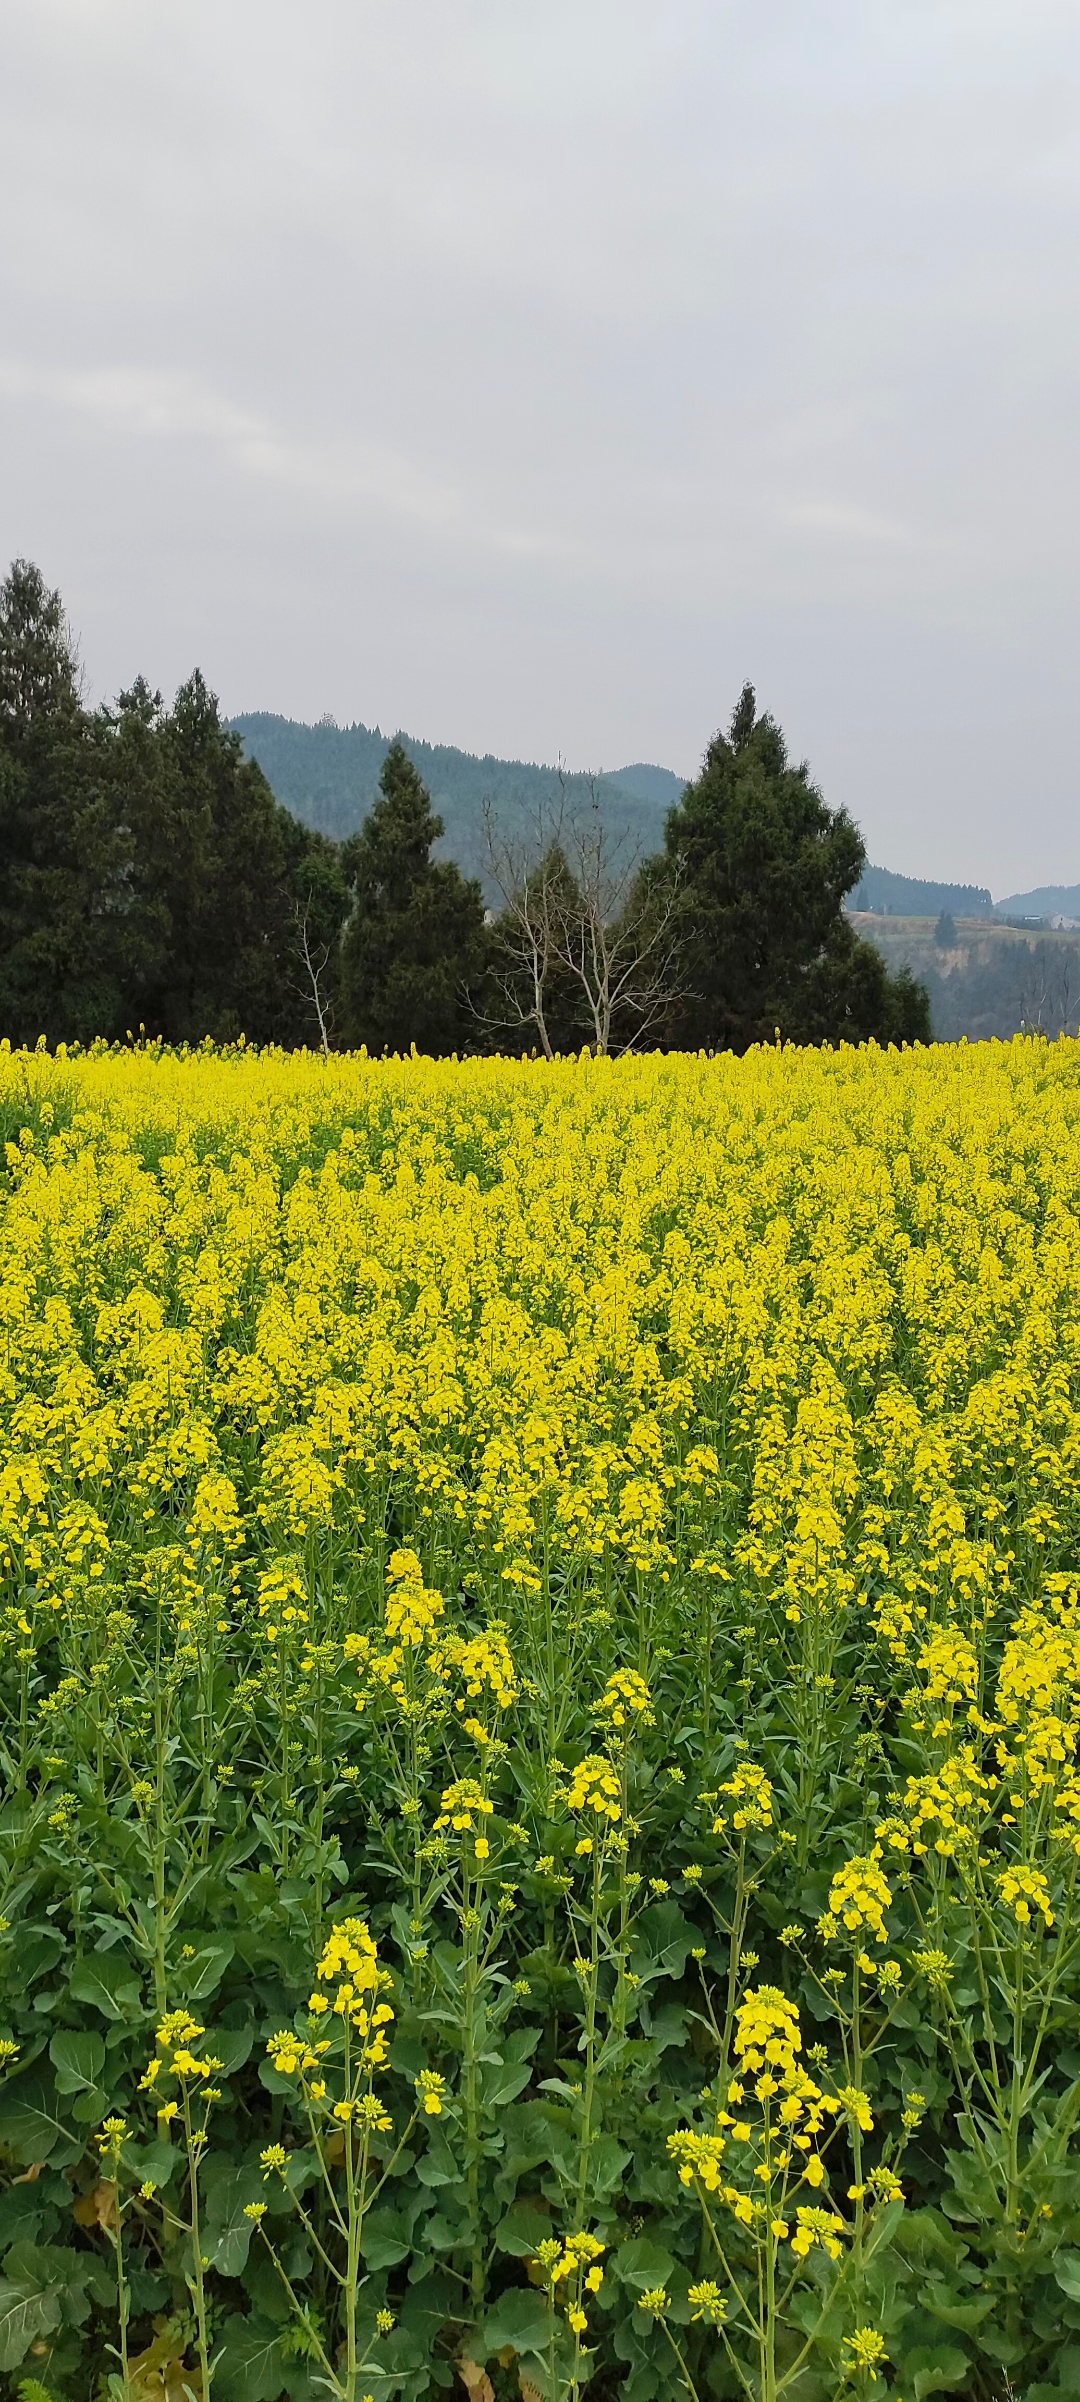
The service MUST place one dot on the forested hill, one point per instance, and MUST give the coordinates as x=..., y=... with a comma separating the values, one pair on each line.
x=888, y=895
x=1047, y=900
x=328, y=776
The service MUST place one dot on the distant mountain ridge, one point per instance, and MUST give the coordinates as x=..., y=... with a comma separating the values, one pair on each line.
x=888, y=895
x=1047, y=900
x=328, y=775
x=912, y=896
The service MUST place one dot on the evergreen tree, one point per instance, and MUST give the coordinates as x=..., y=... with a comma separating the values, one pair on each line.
x=228, y=875
x=761, y=867
x=66, y=900
x=147, y=874
x=39, y=675
x=415, y=949
x=849, y=995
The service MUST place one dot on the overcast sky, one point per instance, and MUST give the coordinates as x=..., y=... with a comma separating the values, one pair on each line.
x=528, y=373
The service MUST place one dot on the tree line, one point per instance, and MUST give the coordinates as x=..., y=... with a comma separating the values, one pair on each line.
x=150, y=880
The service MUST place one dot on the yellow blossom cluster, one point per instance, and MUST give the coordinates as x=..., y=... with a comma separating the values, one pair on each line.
x=1024, y=1890
x=349, y=1968
x=174, y=2060
x=625, y=1698
x=575, y=2263
x=465, y=1806
x=946, y=1807
x=594, y=1786
x=858, y=1898
x=755, y=2161
x=746, y=1801
x=412, y=1608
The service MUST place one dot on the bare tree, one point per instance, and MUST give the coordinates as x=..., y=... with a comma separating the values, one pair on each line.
x=524, y=873
x=578, y=907
x=314, y=961
x=1047, y=992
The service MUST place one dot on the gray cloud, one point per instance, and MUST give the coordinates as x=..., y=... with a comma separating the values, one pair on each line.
x=528, y=375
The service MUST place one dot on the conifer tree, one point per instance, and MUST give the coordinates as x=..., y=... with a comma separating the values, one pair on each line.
x=761, y=867
x=39, y=674
x=415, y=948
x=236, y=871
x=66, y=904
x=147, y=874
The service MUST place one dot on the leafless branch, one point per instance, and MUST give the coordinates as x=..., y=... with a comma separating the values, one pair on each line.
x=575, y=899
x=519, y=870
x=1047, y=994
x=314, y=967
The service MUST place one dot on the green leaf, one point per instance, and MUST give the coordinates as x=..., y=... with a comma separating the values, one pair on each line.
x=35, y=1957
x=66, y=2272
x=668, y=1936
x=521, y=2043
x=608, y=2163
x=155, y=2160
x=524, y=2227
x=273, y=2079
x=885, y=2226
x=19, y=2215
x=108, y=1981
x=249, y=2366
x=386, y=2240
x=437, y=2165
x=29, y=2124
x=502, y=2081
x=228, y=2232
x=520, y=2318
x=27, y=2311
x=79, y=2061
x=667, y=2026
x=1067, y=2274
x=934, y=2370
x=42, y=2284
x=89, y=2108
x=442, y=2233
x=642, y=2263
x=964, y=2316
x=925, y=2236
x=232, y=2046
x=202, y=1975
x=265, y=2288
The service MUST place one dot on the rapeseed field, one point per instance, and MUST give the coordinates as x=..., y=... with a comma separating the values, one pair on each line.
x=538, y=1719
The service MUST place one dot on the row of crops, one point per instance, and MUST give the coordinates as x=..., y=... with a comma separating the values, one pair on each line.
x=538, y=1716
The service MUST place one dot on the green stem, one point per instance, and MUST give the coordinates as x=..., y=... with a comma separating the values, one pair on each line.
x=199, y=2290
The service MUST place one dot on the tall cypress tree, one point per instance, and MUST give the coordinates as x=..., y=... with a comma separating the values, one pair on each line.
x=147, y=874
x=761, y=868
x=234, y=877
x=68, y=913
x=39, y=675
x=415, y=947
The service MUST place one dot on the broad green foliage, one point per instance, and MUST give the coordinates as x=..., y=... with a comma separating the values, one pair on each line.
x=538, y=1716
